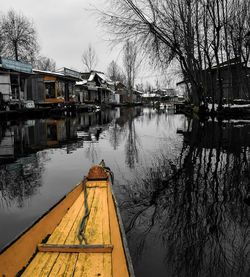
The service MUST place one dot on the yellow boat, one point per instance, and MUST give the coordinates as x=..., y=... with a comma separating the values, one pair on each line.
x=82, y=235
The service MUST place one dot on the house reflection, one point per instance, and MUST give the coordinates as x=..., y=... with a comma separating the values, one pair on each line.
x=21, y=158
x=24, y=138
x=231, y=135
x=7, y=145
x=22, y=142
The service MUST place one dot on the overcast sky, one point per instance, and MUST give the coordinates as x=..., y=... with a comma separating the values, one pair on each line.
x=66, y=27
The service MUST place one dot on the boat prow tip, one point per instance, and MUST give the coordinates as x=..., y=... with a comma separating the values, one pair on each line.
x=97, y=172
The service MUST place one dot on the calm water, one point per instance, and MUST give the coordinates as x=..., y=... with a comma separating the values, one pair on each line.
x=182, y=185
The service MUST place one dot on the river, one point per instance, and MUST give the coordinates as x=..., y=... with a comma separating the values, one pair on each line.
x=182, y=185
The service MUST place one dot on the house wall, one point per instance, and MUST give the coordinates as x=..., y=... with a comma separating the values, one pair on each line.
x=124, y=98
x=35, y=89
x=235, y=84
x=93, y=95
x=104, y=95
x=60, y=88
x=5, y=87
x=81, y=93
x=64, y=90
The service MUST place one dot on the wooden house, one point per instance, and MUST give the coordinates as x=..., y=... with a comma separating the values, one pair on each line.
x=14, y=77
x=137, y=96
x=95, y=87
x=235, y=80
x=53, y=88
x=122, y=93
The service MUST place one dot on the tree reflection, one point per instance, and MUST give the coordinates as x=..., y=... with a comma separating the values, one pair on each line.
x=196, y=204
x=20, y=180
x=124, y=128
x=90, y=150
x=131, y=145
x=132, y=140
x=115, y=134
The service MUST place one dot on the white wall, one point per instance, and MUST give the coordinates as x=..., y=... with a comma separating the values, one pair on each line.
x=117, y=98
x=5, y=87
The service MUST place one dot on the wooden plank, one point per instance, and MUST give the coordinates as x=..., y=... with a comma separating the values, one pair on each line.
x=96, y=184
x=64, y=265
x=44, y=270
x=105, y=219
x=28, y=271
x=93, y=231
x=92, y=265
x=70, y=269
x=46, y=262
x=60, y=265
x=72, y=236
x=107, y=265
x=62, y=230
x=41, y=264
x=64, y=248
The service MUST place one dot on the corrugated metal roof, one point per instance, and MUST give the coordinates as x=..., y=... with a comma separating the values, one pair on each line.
x=104, y=77
x=48, y=72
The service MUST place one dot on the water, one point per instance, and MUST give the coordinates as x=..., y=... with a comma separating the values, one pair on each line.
x=182, y=185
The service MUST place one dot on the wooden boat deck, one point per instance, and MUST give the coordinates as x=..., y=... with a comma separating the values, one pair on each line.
x=103, y=255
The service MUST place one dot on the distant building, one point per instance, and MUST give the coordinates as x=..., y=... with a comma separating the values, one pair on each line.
x=13, y=82
x=160, y=95
x=95, y=87
x=121, y=92
x=182, y=89
x=46, y=87
x=160, y=92
x=137, y=96
x=235, y=78
x=235, y=81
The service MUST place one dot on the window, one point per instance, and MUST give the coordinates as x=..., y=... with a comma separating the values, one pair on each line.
x=14, y=87
x=50, y=90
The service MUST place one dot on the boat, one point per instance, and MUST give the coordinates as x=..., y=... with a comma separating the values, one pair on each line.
x=82, y=235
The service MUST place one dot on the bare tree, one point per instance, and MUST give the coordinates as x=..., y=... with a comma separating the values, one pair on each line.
x=45, y=63
x=130, y=63
x=19, y=37
x=2, y=45
x=115, y=73
x=200, y=35
x=89, y=58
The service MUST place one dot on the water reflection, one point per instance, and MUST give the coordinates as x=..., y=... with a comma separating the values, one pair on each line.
x=123, y=128
x=185, y=213
x=20, y=139
x=20, y=180
x=22, y=142
x=194, y=206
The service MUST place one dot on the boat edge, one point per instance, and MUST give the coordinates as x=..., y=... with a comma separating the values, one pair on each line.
x=123, y=235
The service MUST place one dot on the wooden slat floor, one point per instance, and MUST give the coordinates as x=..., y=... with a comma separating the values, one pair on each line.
x=97, y=232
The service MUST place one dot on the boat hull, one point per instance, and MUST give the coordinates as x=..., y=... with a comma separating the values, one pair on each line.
x=103, y=252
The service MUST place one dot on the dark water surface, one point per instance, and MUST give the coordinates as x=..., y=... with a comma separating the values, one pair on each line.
x=182, y=185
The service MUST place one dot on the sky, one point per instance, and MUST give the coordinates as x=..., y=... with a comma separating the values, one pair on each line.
x=65, y=28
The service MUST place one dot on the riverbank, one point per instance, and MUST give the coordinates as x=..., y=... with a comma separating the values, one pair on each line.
x=47, y=111
x=233, y=111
